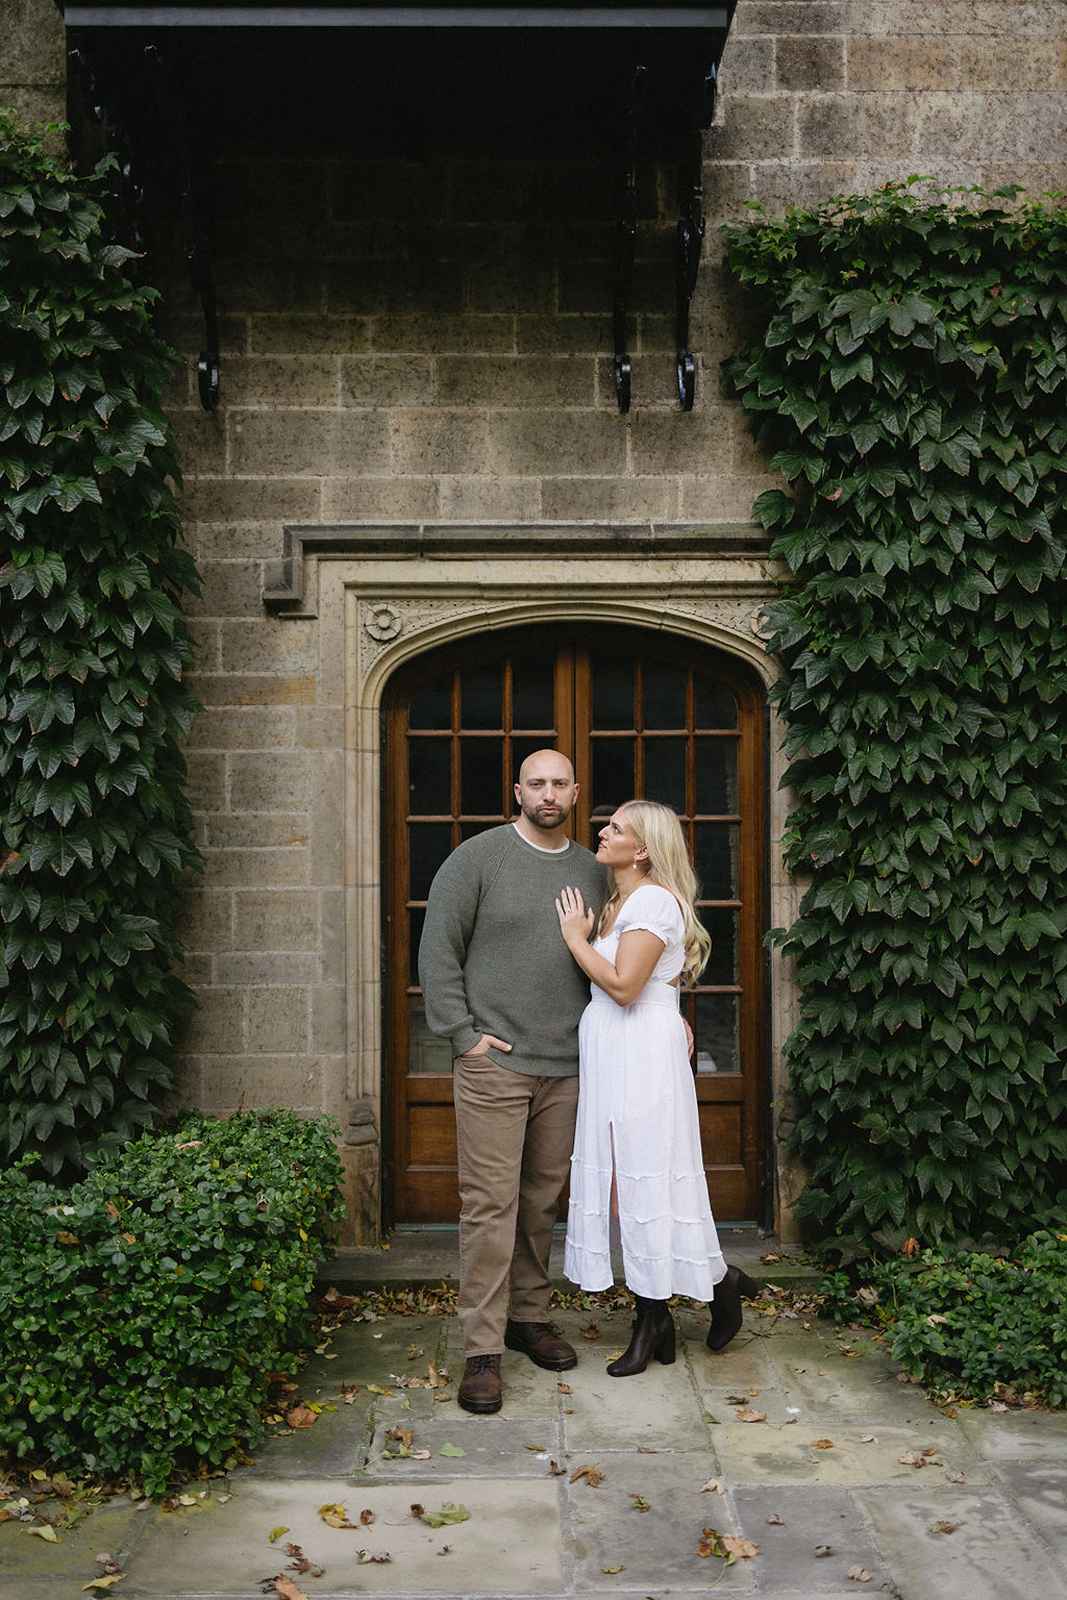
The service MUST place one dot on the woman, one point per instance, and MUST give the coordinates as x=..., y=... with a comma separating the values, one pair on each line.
x=637, y=1163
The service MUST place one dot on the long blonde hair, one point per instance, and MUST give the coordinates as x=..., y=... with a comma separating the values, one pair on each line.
x=657, y=829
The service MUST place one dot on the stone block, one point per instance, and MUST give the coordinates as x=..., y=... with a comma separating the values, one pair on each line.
x=439, y=442
x=722, y=499
x=326, y=863
x=282, y=380
x=490, y=499
x=747, y=64
x=756, y=127
x=278, y=1020
x=803, y=62
x=268, y=967
x=585, y=288
x=204, y=919
x=569, y=335
x=251, y=689
x=201, y=440
x=431, y=335
x=33, y=52
x=509, y=283
x=268, y=644
x=289, y=444
x=251, y=1082
x=995, y=127
x=276, y=920
x=319, y=728
x=844, y=127
x=217, y=1025
x=373, y=190
x=494, y=191
x=256, y=830
x=241, y=728
x=625, y=500
x=387, y=380
x=560, y=443
x=235, y=541
x=902, y=63
x=797, y=16
x=307, y=334
x=228, y=500
x=275, y=780
x=412, y=283
x=699, y=444
x=521, y=380
x=328, y=1019
x=801, y=185
x=407, y=499
x=228, y=589
x=251, y=869
x=267, y=282
x=205, y=780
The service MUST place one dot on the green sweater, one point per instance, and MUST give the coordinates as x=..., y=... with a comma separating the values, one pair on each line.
x=492, y=958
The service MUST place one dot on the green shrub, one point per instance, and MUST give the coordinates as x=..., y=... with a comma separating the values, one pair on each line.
x=968, y=1322
x=94, y=826
x=910, y=368
x=142, y=1310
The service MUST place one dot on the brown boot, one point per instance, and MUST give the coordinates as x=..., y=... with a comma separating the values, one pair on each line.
x=479, y=1387
x=653, y=1335
x=543, y=1345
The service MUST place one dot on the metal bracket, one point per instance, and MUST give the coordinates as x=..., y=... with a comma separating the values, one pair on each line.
x=194, y=227
x=689, y=238
x=626, y=237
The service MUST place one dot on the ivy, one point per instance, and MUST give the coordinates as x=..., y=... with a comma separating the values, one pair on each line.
x=910, y=375
x=93, y=817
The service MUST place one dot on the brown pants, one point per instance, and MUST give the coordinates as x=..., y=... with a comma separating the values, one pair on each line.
x=515, y=1134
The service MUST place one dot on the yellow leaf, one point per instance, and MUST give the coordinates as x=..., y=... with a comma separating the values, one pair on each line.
x=611, y=1571
x=375, y=1389
x=37, y=1475
x=742, y=1548
x=822, y=1444
x=276, y=1533
x=592, y=1476
x=44, y=1532
x=104, y=1583
x=335, y=1516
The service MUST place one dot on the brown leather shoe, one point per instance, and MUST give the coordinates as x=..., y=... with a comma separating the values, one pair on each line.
x=541, y=1342
x=479, y=1387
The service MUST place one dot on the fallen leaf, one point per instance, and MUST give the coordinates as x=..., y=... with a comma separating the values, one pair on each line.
x=858, y=1575
x=335, y=1516
x=750, y=1415
x=955, y=1476
x=288, y=1589
x=943, y=1526
x=590, y=1331
x=102, y=1582
x=647, y=1450
x=822, y=1444
x=301, y=1417
x=713, y=1486
x=868, y=1438
x=824, y=1550
x=375, y=1388
x=44, y=1532
x=736, y=1400
x=910, y=1459
x=416, y=1509
x=775, y=1520
x=936, y=1320
x=611, y=1571
x=742, y=1548
x=564, y=1388
x=448, y=1513
x=366, y=1517
x=445, y=1550
x=639, y=1503
x=556, y=1470
x=593, y=1477
x=276, y=1533
x=366, y=1557
x=931, y=1450
x=451, y=1450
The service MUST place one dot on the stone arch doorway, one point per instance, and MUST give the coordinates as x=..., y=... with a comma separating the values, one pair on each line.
x=641, y=712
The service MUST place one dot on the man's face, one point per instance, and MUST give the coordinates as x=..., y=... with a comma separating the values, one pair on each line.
x=546, y=790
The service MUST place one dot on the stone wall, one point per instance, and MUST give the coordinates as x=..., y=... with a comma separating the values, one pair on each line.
x=32, y=62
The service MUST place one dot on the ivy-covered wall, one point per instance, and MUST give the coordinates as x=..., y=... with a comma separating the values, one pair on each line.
x=911, y=369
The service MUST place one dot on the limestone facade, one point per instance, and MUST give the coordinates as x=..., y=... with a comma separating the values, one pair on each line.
x=424, y=346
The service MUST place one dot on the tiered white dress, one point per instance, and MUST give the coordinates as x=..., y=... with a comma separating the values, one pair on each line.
x=636, y=1090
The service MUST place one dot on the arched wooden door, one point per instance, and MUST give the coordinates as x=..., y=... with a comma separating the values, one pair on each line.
x=640, y=713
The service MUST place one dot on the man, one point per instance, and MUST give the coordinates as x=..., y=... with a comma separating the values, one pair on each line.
x=500, y=984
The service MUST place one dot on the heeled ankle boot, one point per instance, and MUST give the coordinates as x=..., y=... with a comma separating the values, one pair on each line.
x=726, y=1315
x=653, y=1335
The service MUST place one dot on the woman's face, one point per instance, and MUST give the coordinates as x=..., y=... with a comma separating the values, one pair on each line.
x=618, y=844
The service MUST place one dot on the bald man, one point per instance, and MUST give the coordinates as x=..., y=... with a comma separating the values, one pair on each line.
x=500, y=984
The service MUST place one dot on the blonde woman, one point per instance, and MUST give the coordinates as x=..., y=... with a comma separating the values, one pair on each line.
x=637, y=1162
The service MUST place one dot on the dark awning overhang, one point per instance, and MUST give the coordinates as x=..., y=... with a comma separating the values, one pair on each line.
x=195, y=14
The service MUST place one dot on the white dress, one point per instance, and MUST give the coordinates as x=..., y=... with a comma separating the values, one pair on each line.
x=636, y=1090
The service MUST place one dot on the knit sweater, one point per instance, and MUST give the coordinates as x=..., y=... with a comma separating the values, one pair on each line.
x=492, y=958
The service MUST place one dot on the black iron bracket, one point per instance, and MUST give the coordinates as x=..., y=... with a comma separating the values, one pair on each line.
x=626, y=238
x=689, y=237
x=194, y=223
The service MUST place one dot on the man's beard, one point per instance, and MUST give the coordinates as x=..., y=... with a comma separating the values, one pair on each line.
x=560, y=814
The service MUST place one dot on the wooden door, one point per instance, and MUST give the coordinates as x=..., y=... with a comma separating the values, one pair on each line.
x=641, y=714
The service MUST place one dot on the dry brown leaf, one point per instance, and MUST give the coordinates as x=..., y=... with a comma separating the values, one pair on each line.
x=375, y=1388
x=943, y=1526
x=741, y=1548
x=825, y=1550
x=592, y=1476
x=775, y=1520
x=858, y=1575
x=555, y=1469
x=713, y=1486
x=366, y=1557
x=564, y=1388
x=955, y=1476
x=366, y=1517
x=910, y=1459
x=822, y=1444
x=288, y=1589
x=301, y=1417
x=751, y=1415
x=647, y=1450
x=590, y=1331
x=103, y=1583
x=931, y=1450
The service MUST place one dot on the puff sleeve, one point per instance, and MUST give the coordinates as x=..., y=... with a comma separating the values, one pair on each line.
x=656, y=911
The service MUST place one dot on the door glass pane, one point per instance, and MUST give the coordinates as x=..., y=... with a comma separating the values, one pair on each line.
x=721, y=923
x=715, y=705
x=664, y=694
x=416, y=918
x=482, y=696
x=532, y=695
x=716, y=1033
x=429, y=777
x=613, y=691
x=522, y=746
x=715, y=761
x=665, y=772
x=480, y=777
x=716, y=859
x=468, y=830
x=612, y=762
x=430, y=844
x=431, y=706
x=428, y=1053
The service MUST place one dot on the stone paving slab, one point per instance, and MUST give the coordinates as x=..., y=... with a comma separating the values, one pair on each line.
x=511, y=1541
x=1016, y=1435
x=992, y=1554
x=819, y=1532
x=844, y=1452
